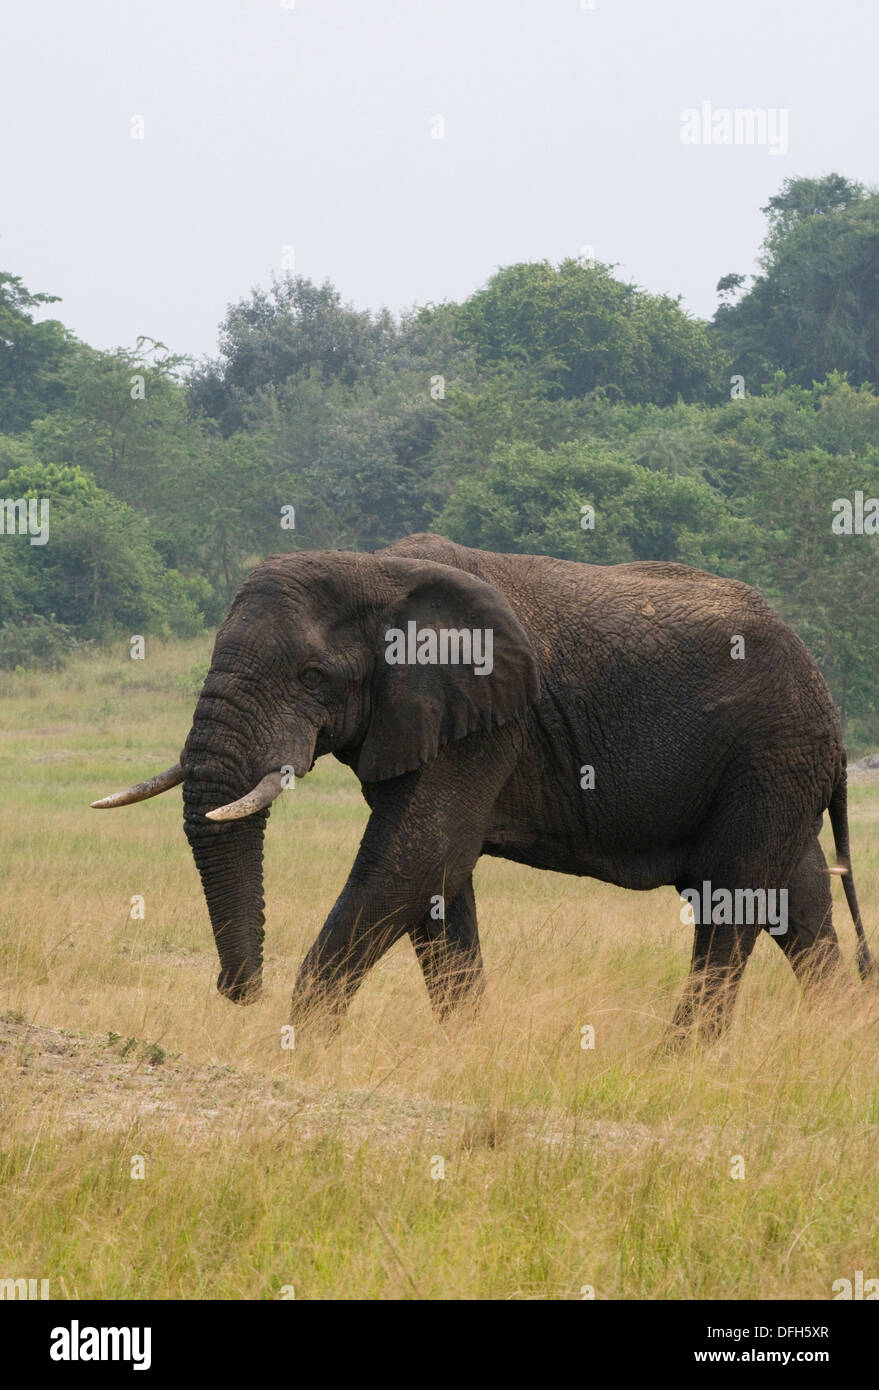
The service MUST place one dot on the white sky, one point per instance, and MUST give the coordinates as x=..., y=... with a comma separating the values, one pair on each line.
x=310, y=126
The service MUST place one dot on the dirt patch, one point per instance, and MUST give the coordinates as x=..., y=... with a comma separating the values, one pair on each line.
x=107, y=1082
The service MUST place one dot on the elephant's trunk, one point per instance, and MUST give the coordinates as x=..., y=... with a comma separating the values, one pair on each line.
x=229, y=860
x=235, y=763
x=218, y=762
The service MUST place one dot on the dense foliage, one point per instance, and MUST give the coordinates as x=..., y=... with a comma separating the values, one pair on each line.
x=500, y=421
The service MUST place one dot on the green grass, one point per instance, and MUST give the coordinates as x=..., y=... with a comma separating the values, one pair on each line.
x=315, y=1168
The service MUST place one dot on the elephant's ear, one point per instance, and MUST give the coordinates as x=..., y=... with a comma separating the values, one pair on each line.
x=442, y=613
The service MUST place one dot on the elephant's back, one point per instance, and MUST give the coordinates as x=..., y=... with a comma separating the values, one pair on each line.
x=652, y=634
x=636, y=598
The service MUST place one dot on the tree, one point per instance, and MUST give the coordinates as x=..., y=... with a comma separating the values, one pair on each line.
x=31, y=356
x=533, y=501
x=815, y=307
x=125, y=420
x=583, y=330
x=98, y=571
x=276, y=334
x=803, y=198
x=825, y=583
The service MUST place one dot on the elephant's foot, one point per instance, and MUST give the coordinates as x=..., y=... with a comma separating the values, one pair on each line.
x=456, y=994
x=319, y=1007
x=459, y=1012
x=698, y=1022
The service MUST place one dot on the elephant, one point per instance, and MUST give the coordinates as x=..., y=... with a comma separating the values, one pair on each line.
x=643, y=724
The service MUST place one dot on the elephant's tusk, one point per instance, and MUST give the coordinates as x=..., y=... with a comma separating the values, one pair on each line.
x=144, y=790
x=263, y=795
x=837, y=868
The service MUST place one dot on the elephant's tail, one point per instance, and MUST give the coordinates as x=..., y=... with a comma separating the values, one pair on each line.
x=838, y=809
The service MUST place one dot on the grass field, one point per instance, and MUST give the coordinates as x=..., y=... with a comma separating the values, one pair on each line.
x=317, y=1170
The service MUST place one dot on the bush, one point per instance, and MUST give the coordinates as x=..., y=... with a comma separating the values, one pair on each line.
x=36, y=644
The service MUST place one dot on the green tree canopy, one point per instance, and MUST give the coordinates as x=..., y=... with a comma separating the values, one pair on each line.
x=814, y=309
x=275, y=334
x=98, y=571
x=31, y=356
x=583, y=330
x=532, y=501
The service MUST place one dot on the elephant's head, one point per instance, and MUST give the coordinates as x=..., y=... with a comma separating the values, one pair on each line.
x=300, y=668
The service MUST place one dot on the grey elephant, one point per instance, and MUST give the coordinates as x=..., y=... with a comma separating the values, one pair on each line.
x=643, y=724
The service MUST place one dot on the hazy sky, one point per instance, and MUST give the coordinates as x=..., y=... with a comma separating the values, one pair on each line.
x=309, y=123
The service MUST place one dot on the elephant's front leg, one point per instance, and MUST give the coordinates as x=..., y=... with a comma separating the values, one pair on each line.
x=421, y=844
x=376, y=907
x=448, y=953
x=363, y=925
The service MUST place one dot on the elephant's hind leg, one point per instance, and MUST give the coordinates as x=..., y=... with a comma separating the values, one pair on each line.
x=810, y=942
x=449, y=954
x=720, y=954
x=753, y=847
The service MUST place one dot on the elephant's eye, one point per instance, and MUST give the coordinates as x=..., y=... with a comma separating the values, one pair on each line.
x=311, y=678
